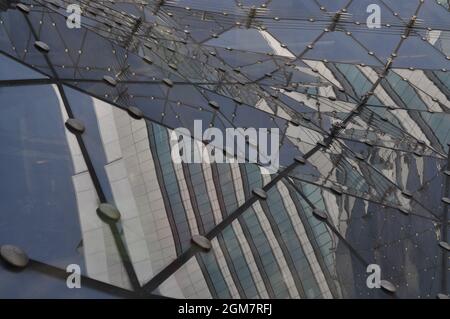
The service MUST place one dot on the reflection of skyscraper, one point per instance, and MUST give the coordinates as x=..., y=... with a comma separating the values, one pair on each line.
x=130, y=162
x=364, y=130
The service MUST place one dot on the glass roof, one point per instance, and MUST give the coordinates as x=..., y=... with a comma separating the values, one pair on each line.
x=88, y=118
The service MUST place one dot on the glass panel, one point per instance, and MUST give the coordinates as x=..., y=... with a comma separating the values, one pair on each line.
x=339, y=47
x=414, y=52
x=229, y=64
x=17, y=40
x=49, y=201
x=389, y=239
x=12, y=70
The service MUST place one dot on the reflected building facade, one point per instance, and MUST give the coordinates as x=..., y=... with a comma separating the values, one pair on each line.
x=88, y=114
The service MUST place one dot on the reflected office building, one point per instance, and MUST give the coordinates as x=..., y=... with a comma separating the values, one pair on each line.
x=89, y=181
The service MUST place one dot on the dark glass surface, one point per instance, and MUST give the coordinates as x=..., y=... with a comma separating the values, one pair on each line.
x=367, y=108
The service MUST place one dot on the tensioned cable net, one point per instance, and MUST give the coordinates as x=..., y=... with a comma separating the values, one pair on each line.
x=87, y=118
